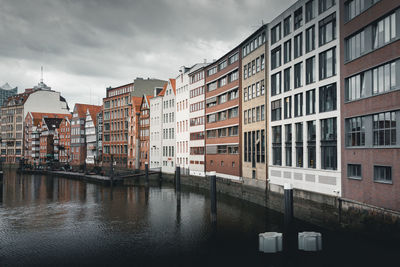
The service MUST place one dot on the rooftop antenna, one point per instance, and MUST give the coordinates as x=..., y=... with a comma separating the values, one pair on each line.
x=41, y=80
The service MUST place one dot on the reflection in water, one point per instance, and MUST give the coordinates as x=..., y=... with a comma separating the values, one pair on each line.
x=53, y=221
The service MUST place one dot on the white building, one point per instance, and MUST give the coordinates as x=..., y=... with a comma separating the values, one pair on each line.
x=168, y=128
x=156, y=116
x=196, y=119
x=91, y=140
x=182, y=120
x=304, y=97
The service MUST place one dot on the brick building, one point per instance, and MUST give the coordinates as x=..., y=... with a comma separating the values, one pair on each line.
x=144, y=131
x=370, y=83
x=133, y=133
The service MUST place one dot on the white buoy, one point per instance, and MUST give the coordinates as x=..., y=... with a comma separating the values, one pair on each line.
x=310, y=241
x=270, y=242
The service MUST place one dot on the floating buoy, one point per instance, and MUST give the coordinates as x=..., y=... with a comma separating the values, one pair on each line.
x=310, y=241
x=270, y=242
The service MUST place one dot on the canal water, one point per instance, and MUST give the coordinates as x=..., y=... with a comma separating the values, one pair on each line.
x=49, y=221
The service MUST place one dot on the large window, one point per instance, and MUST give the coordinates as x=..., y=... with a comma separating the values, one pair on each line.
x=327, y=29
x=288, y=144
x=298, y=18
x=384, y=78
x=287, y=51
x=276, y=110
x=298, y=45
x=355, y=87
x=383, y=174
x=354, y=171
x=384, y=31
x=355, y=131
x=310, y=39
x=310, y=10
x=288, y=107
x=277, y=145
x=311, y=143
x=310, y=70
x=355, y=45
x=325, y=5
x=286, y=80
x=298, y=73
x=276, y=58
x=384, y=129
x=327, y=63
x=310, y=102
x=329, y=144
x=299, y=144
x=276, y=84
x=327, y=98
x=298, y=105
x=354, y=7
x=286, y=25
x=276, y=33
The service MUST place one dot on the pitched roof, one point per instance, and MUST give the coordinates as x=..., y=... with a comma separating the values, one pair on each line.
x=162, y=93
x=53, y=123
x=81, y=109
x=38, y=116
x=93, y=110
x=136, y=102
x=173, y=84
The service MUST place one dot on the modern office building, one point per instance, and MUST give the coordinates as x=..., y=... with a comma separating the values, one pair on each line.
x=254, y=81
x=168, y=128
x=370, y=102
x=6, y=91
x=222, y=113
x=156, y=116
x=196, y=120
x=304, y=98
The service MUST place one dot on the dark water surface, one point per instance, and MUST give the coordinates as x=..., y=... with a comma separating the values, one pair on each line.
x=49, y=221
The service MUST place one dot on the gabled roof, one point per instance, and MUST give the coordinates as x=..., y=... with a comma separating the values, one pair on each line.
x=147, y=99
x=136, y=102
x=81, y=109
x=93, y=110
x=162, y=93
x=38, y=116
x=173, y=84
x=52, y=123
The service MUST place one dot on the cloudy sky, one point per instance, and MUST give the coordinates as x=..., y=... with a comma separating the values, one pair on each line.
x=88, y=45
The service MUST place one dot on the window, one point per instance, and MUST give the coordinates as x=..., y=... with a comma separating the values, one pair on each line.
x=384, y=129
x=222, y=65
x=355, y=87
x=354, y=7
x=262, y=146
x=299, y=144
x=287, y=107
x=276, y=110
x=298, y=71
x=286, y=25
x=298, y=18
x=310, y=10
x=298, y=105
x=354, y=171
x=327, y=64
x=327, y=98
x=327, y=29
x=234, y=58
x=276, y=145
x=288, y=144
x=276, y=33
x=310, y=39
x=245, y=147
x=298, y=45
x=262, y=87
x=355, y=45
x=311, y=143
x=276, y=58
x=325, y=5
x=287, y=51
x=384, y=31
x=355, y=132
x=384, y=78
x=262, y=112
x=276, y=84
x=212, y=71
x=329, y=144
x=286, y=80
x=310, y=102
x=245, y=72
x=310, y=70
x=383, y=174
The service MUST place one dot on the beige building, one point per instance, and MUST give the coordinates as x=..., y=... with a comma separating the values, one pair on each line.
x=254, y=81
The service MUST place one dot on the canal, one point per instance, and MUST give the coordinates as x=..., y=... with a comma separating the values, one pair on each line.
x=49, y=221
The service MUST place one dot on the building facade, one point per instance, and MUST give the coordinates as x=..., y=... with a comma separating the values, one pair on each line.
x=133, y=133
x=304, y=98
x=144, y=131
x=196, y=120
x=64, y=137
x=168, y=128
x=91, y=134
x=370, y=82
x=156, y=117
x=222, y=116
x=253, y=102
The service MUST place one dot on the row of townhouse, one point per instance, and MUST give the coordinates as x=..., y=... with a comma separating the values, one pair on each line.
x=310, y=98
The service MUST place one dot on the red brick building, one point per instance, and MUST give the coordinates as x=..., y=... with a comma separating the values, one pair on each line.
x=64, y=139
x=223, y=115
x=370, y=102
x=144, y=131
x=133, y=133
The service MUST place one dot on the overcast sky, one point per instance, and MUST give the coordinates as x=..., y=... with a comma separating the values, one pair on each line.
x=88, y=45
